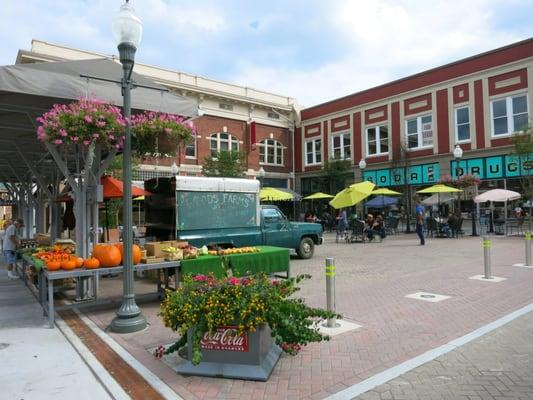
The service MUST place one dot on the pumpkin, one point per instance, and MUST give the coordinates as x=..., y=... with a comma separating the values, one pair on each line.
x=136, y=250
x=107, y=254
x=68, y=264
x=78, y=261
x=91, y=263
x=53, y=265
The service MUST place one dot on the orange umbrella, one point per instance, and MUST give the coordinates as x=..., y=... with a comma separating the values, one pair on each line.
x=114, y=188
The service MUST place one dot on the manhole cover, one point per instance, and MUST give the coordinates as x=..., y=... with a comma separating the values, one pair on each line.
x=427, y=296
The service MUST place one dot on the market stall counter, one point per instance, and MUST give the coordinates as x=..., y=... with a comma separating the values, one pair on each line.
x=46, y=280
x=268, y=259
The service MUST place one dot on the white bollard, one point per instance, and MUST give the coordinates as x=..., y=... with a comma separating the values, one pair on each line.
x=330, y=290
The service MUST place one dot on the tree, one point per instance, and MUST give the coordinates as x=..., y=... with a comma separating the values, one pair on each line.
x=229, y=164
x=523, y=149
x=335, y=175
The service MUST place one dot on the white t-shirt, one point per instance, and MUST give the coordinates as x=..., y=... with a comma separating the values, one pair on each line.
x=8, y=243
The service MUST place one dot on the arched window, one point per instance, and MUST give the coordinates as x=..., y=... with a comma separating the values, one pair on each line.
x=271, y=152
x=223, y=141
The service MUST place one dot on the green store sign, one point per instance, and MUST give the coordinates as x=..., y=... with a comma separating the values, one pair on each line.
x=413, y=175
x=497, y=167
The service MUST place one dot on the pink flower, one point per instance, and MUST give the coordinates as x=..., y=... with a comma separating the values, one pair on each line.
x=74, y=138
x=88, y=119
x=234, y=281
x=168, y=131
x=58, y=141
x=63, y=132
x=199, y=278
x=111, y=137
x=86, y=142
x=96, y=135
x=100, y=124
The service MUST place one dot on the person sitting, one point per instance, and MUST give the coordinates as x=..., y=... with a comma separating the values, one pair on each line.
x=378, y=227
x=453, y=221
x=369, y=223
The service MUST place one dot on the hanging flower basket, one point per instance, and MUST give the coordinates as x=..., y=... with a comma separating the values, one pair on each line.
x=159, y=134
x=83, y=122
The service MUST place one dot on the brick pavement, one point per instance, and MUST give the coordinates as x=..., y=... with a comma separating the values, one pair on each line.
x=496, y=366
x=372, y=281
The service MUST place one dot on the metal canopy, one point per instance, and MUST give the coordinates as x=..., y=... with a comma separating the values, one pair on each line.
x=29, y=90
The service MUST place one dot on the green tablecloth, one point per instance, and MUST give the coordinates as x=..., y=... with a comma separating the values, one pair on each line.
x=37, y=263
x=269, y=260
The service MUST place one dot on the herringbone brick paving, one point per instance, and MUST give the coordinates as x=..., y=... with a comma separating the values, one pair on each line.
x=372, y=280
x=497, y=366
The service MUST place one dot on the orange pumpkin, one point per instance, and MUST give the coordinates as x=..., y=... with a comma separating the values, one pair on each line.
x=108, y=255
x=53, y=265
x=136, y=250
x=68, y=264
x=78, y=261
x=91, y=263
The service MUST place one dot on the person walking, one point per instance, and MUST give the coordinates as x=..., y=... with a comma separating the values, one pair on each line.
x=11, y=241
x=420, y=216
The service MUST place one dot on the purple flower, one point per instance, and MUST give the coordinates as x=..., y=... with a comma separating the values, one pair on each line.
x=58, y=141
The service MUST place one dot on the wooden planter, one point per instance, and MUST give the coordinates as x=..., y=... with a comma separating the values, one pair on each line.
x=251, y=356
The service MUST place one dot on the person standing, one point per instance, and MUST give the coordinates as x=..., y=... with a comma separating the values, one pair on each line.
x=11, y=241
x=420, y=216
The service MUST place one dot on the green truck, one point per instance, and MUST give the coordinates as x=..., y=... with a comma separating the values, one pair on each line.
x=222, y=211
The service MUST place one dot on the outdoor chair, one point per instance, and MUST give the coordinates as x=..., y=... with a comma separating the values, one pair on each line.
x=514, y=224
x=357, y=231
x=431, y=227
x=391, y=225
x=459, y=228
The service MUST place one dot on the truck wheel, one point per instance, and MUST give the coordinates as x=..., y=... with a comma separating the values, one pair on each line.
x=306, y=248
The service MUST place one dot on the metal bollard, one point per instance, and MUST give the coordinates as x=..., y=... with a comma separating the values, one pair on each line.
x=486, y=257
x=528, y=247
x=330, y=290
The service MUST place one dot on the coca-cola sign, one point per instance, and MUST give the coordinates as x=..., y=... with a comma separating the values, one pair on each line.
x=225, y=338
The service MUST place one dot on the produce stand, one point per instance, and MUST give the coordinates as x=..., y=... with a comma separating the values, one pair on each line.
x=47, y=278
x=269, y=260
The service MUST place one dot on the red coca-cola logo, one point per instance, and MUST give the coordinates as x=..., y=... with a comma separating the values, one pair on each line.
x=225, y=338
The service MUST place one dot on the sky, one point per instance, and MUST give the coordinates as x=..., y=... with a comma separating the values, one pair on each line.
x=314, y=51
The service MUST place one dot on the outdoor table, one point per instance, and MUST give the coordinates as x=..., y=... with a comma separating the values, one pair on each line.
x=47, y=278
x=269, y=259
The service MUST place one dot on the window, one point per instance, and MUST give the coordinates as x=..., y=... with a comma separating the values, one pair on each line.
x=377, y=140
x=190, y=149
x=341, y=148
x=462, y=124
x=223, y=141
x=419, y=132
x=271, y=152
x=509, y=115
x=271, y=215
x=313, y=152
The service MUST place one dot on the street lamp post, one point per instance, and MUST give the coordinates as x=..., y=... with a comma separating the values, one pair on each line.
x=362, y=166
x=174, y=169
x=261, y=176
x=127, y=31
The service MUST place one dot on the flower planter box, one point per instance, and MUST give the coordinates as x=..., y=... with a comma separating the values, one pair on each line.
x=251, y=356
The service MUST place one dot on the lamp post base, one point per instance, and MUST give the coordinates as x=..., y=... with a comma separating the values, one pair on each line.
x=128, y=324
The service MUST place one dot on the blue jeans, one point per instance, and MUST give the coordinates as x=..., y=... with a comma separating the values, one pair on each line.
x=420, y=232
x=11, y=256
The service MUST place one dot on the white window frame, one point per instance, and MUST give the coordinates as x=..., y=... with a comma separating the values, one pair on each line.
x=195, y=144
x=378, y=140
x=509, y=114
x=457, y=140
x=419, y=132
x=315, y=162
x=230, y=140
x=278, y=146
x=342, y=149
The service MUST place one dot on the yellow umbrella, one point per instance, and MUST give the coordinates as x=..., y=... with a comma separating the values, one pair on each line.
x=273, y=194
x=439, y=188
x=318, y=195
x=352, y=195
x=138, y=198
x=386, y=192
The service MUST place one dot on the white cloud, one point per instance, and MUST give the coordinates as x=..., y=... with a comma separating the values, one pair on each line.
x=383, y=41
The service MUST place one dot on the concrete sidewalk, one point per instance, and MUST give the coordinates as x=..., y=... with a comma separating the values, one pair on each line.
x=37, y=362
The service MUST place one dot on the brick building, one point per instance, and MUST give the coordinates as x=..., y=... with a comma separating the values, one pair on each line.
x=232, y=117
x=406, y=130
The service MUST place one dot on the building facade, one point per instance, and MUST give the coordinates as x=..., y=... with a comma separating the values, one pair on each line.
x=406, y=130
x=232, y=117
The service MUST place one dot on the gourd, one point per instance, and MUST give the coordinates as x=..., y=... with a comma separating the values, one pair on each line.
x=108, y=255
x=91, y=263
x=78, y=261
x=68, y=264
x=53, y=265
x=136, y=251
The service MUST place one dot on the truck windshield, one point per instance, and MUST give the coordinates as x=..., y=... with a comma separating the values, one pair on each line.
x=271, y=215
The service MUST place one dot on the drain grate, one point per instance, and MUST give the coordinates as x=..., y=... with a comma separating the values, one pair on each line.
x=427, y=296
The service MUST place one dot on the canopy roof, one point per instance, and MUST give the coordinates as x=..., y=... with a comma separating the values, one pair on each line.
x=438, y=198
x=497, y=195
x=29, y=90
x=381, y=201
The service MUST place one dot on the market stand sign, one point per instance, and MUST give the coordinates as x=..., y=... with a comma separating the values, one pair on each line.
x=225, y=338
x=414, y=175
x=496, y=167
